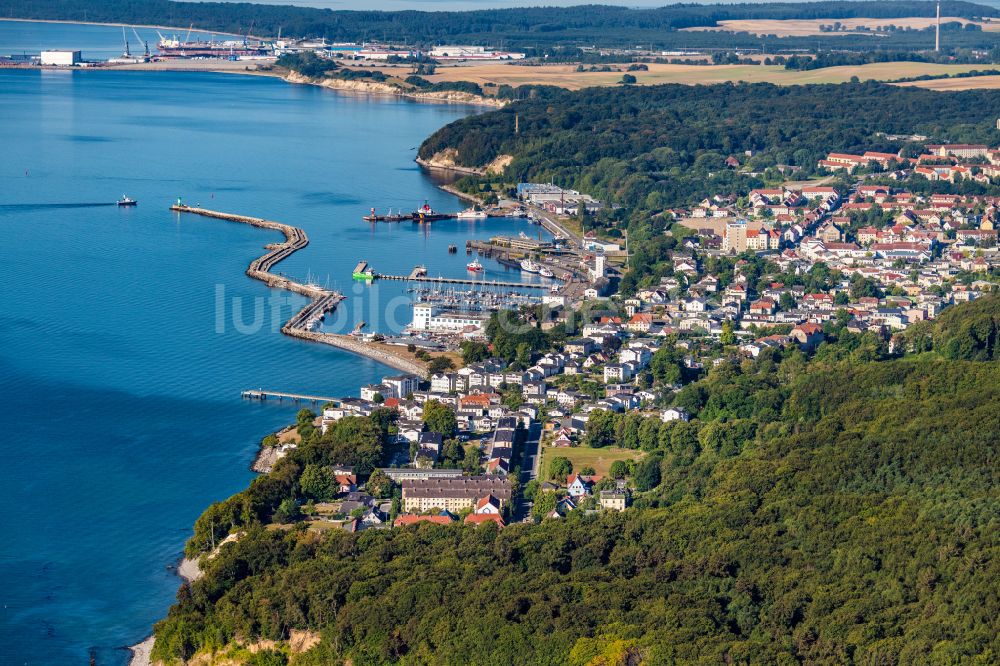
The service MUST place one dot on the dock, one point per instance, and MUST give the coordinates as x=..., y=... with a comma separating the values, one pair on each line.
x=443, y=280
x=261, y=394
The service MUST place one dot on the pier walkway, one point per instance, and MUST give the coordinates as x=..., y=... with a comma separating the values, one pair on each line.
x=323, y=300
x=478, y=283
x=261, y=394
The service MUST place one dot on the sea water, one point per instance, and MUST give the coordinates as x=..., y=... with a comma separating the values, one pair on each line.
x=127, y=334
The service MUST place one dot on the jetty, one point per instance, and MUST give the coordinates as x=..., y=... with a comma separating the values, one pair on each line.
x=419, y=274
x=323, y=300
x=260, y=268
x=261, y=394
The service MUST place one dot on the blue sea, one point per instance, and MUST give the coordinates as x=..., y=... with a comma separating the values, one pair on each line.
x=126, y=335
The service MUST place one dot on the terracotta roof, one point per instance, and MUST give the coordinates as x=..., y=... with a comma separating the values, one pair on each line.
x=480, y=518
x=410, y=519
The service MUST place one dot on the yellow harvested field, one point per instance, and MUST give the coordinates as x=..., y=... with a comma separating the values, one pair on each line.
x=566, y=76
x=946, y=85
x=807, y=27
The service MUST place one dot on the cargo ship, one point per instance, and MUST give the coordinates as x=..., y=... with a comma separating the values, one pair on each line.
x=232, y=48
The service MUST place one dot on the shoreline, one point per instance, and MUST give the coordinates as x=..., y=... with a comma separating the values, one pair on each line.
x=119, y=25
x=385, y=89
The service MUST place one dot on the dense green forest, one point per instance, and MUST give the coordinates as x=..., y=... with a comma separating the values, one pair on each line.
x=535, y=29
x=833, y=510
x=652, y=148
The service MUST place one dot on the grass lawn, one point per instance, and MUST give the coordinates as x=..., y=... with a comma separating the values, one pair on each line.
x=580, y=456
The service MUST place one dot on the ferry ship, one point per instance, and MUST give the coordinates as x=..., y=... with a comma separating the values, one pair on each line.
x=472, y=214
x=474, y=266
x=528, y=266
x=545, y=272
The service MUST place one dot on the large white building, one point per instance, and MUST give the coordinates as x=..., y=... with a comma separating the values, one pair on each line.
x=60, y=58
x=431, y=318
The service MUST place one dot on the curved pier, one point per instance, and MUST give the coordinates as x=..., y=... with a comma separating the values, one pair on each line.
x=324, y=300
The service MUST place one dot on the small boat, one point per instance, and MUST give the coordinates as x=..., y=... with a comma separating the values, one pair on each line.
x=474, y=266
x=125, y=201
x=472, y=214
x=452, y=249
x=528, y=266
x=545, y=272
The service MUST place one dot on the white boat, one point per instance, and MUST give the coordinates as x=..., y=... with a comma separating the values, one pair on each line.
x=472, y=214
x=545, y=272
x=528, y=266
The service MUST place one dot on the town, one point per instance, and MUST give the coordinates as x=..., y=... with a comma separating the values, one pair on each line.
x=500, y=440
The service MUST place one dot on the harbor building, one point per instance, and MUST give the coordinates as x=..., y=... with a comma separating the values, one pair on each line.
x=435, y=319
x=60, y=58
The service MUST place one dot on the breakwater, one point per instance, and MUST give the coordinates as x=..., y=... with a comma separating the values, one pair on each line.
x=323, y=300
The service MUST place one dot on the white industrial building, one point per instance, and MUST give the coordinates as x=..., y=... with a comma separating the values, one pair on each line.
x=60, y=58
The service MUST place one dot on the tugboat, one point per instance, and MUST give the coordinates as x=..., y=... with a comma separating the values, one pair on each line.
x=474, y=266
x=125, y=201
x=427, y=214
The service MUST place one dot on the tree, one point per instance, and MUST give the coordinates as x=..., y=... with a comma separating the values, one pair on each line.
x=588, y=470
x=318, y=483
x=728, y=337
x=559, y=468
x=666, y=365
x=786, y=301
x=439, y=364
x=379, y=485
x=440, y=418
x=627, y=79
x=647, y=474
x=287, y=512
x=619, y=469
x=600, y=429
x=544, y=504
x=473, y=352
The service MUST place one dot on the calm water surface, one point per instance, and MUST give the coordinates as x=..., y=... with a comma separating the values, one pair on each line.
x=119, y=378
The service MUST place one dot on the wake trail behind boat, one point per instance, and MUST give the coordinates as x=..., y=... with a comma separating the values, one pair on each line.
x=49, y=206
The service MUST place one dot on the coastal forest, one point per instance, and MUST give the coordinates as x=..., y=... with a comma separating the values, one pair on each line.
x=835, y=509
x=648, y=149
x=536, y=30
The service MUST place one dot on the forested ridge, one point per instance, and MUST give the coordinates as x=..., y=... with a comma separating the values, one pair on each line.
x=834, y=510
x=652, y=147
x=648, y=149
x=536, y=28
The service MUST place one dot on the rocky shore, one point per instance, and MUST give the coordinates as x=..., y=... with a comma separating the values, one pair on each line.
x=377, y=88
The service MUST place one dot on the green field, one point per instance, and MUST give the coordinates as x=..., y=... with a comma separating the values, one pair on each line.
x=599, y=459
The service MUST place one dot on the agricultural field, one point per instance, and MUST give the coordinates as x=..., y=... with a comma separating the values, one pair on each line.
x=808, y=27
x=949, y=85
x=580, y=456
x=566, y=76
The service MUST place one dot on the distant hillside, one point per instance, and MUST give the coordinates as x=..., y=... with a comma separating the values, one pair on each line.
x=823, y=512
x=535, y=29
